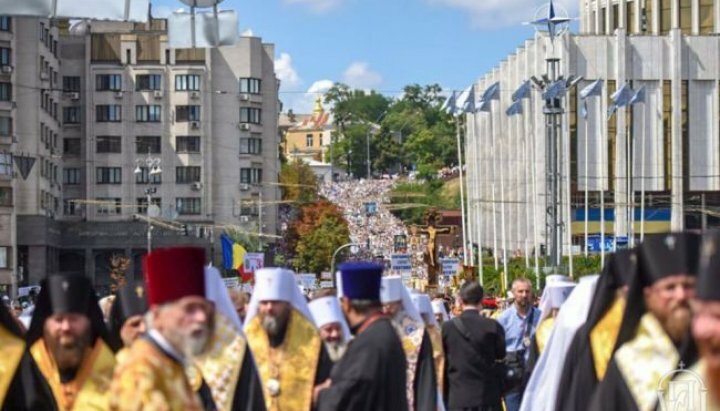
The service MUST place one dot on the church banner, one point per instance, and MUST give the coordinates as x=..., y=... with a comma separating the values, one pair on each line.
x=400, y=262
x=450, y=266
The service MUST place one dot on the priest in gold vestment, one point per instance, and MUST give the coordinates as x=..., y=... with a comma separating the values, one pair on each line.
x=179, y=320
x=285, y=343
x=69, y=343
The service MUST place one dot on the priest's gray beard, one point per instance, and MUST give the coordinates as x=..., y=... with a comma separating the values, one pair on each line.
x=335, y=350
x=274, y=325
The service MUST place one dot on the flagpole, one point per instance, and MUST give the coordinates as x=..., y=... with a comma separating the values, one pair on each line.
x=502, y=210
x=478, y=203
x=469, y=177
x=533, y=199
x=494, y=175
x=568, y=223
x=587, y=172
x=642, y=178
x=630, y=155
x=462, y=190
x=603, y=169
x=526, y=185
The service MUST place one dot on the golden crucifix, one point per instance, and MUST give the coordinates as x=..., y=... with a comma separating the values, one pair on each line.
x=432, y=228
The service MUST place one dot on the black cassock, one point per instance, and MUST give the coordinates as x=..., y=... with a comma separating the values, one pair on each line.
x=579, y=378
x=613, y=393
x=371, y=376
x=425, y=384
x=28, y=390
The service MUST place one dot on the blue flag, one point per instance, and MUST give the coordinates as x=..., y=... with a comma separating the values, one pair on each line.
x=522, y=92
x=620, y=98
x=450, y=105
x=554, y=90
x=638, y=97
x=492, y=92
x=227, y=250
x=515, y=108
x=466, y=102
x=485, y=106
x=594, y=89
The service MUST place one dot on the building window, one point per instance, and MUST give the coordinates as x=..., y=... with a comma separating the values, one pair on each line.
x=6, y=197
x=187, y=144
x=148, y=114
x=188, y=206
x=71, y=176
x=187, y=174
x=187, y=82
x=144, y=177
x=707, y=17
x=146, y=82
x=109, y=175
x=108, y=113
x=665, y=16
x=250, y=146
x=71, y=146
x=109, y=206
x=71, y=207
x=5, y=91
x=142, y=204
x=251, y=175
x=250, y=85
x=686, y=16
x=5, y=54
x=108, y=82
x=108, y=144
x=5, y=23
x=71, y=84
x=250, y=115
x=147, y=144
x=6, y=126
x=71, y=115
x=187, y=113
x=309, y=140
x=6, y=163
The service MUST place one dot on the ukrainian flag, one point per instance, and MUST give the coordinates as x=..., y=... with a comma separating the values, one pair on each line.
x=233, y=253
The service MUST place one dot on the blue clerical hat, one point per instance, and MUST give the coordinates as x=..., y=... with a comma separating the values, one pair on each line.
x=361, y=281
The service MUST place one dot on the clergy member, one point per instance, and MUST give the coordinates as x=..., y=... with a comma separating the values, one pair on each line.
x=127, y=316
x=371, y=375
x=440, y=311
x=425, y=308
x=557, y=290
x=334, y=330
x=227, y=365
x=68, y=340
x=287, y=347
x=421, y=378
x=22, y=387
x=653, y=338
x=593, y=345
x=179, y=327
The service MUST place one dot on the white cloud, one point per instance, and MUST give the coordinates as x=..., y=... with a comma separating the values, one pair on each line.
x=317, y=6
x=360, y=75
x=303, y=103
x=285, y=71
x=493, y=14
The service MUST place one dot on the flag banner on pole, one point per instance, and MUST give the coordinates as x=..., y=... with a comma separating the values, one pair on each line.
x=210, y=29
x=620, y=98
x=638, y=97
x=450, y=104
x=554, y=90
x=484, y=106
x=594, y=89
x=515, y=108
x=119, y=10
x=522, y=92
x=492, y=92
x=467, y=100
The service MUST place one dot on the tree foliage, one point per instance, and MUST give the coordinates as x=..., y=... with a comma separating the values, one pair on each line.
x=319, y=229
x=298, y=182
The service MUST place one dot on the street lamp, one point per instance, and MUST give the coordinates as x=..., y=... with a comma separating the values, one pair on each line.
x=354, y=248
x=153, y=166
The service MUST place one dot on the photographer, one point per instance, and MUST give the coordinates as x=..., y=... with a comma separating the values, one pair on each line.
x=519, y=322
x=473, y=347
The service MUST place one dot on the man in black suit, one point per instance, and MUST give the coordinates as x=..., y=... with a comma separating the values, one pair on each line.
x=473, y=346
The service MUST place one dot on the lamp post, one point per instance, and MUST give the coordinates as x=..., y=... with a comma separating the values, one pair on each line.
x=152, y=164
x=332, y=263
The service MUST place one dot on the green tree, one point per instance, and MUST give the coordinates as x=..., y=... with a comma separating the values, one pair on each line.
x=298, y=182
x=319, y=229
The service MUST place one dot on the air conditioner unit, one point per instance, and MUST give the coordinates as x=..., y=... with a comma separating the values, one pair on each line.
x=244, y=126
x=118, y=95
x=195, y=125
x=7, y=69
x=244, y=219
x=196, y=186
x=44, y=76
x=244, y=97
x=72, y=96
x=195, y=95
x=244, y=187
x=158, y=94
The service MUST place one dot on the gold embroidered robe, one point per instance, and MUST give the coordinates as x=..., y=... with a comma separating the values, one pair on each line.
x=12, y=349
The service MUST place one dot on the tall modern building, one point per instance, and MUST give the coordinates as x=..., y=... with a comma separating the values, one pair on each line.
x=116, y=120
x=663, y=153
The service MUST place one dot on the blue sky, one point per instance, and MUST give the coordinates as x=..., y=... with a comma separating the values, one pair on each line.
x=381, y=44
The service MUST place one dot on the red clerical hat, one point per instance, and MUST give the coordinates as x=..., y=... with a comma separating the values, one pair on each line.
x=174, y=273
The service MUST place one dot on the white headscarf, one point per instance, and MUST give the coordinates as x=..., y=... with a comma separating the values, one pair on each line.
x=277, y=284
x=556, y=291
x=424, y=306
x=326, y=310
x=216, y=291
x=438, y=307
x=542, y=388
x=392, y=290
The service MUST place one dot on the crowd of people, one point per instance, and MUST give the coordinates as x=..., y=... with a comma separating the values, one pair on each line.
x=364, y=203
x=642, y=335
